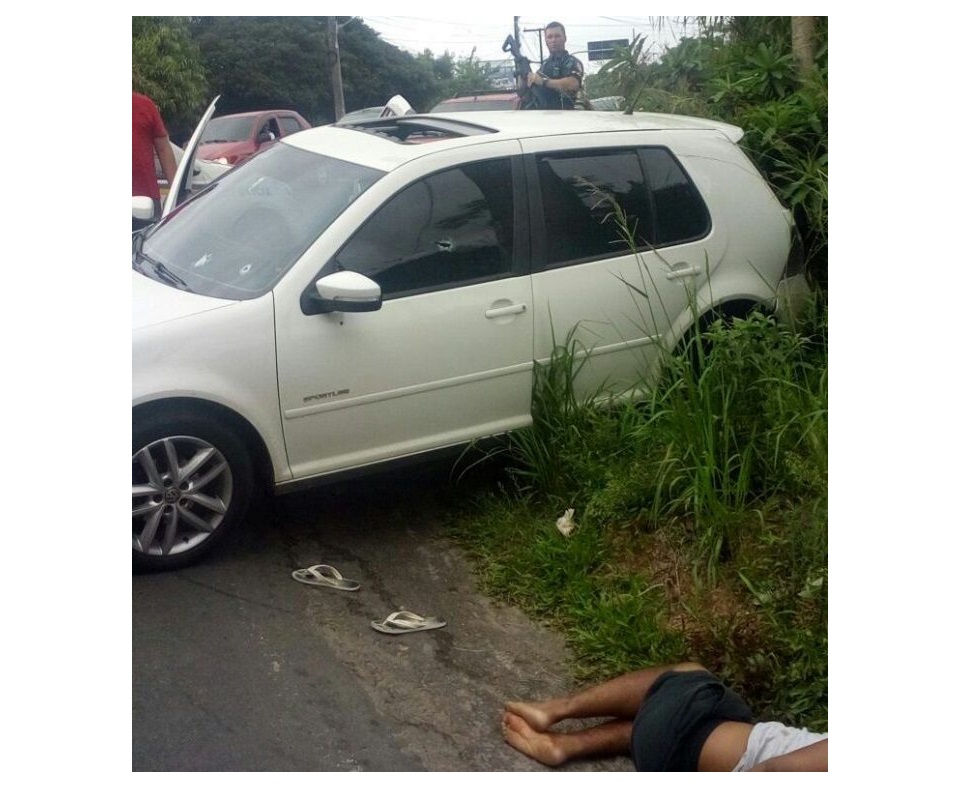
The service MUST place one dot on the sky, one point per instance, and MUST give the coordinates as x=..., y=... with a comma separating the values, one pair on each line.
x=482, y=33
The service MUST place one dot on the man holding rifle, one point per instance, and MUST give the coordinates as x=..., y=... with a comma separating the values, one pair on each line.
x=557, y=82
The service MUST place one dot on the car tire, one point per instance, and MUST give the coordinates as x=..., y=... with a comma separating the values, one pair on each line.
x=695, y=346
x=192, y=481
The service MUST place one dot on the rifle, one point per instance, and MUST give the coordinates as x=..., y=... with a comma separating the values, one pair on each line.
x=522, y=68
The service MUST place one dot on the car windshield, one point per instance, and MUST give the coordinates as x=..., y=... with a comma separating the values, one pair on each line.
x=237, y=238
x=228, y=130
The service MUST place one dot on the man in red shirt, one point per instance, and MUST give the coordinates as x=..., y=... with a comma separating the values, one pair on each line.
x=148, y=137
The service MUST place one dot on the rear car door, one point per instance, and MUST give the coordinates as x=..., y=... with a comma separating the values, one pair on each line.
x=621, y=242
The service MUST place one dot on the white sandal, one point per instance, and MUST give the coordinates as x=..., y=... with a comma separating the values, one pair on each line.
x=325, y=576
x=404, y=622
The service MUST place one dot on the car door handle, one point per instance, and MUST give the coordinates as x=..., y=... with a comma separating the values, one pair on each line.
x=682, y=270
x=497, y=312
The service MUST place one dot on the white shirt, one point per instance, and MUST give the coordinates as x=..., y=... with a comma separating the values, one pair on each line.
x=771, y=739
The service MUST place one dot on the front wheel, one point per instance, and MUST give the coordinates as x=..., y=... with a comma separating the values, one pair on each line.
x=191, y=484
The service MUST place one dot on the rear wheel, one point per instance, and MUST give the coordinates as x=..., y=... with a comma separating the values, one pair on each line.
x=695, y=346
x=191, y=484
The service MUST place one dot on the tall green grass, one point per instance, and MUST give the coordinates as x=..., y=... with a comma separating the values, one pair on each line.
x=701, y=510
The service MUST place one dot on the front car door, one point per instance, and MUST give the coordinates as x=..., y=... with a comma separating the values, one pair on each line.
x=448, y=356
x=182, y=186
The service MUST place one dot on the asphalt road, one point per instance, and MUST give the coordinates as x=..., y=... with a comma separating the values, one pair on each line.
x=237, y=667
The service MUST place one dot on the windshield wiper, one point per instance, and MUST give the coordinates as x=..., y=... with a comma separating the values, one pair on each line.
x=162, y=272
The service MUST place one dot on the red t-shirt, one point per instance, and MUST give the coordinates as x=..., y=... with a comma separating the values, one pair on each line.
x=146, y=125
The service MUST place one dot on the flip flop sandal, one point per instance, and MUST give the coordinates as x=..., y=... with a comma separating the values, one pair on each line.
x=404, y=622
x=325, y=576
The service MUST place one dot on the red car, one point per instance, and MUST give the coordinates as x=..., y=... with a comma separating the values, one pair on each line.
x=501, y=100
x=231, y=138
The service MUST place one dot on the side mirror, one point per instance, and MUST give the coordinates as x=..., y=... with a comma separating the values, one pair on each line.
x=347, y=292
x=142, y=208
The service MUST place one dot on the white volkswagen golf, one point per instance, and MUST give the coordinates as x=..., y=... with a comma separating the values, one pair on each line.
x=358, y=295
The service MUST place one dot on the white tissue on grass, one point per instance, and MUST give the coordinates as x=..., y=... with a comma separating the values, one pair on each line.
x=565, y=524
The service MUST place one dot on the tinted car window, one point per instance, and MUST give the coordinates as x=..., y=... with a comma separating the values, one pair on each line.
x=680, y=212
x=289, y=124
x=580, y=193
x=585, y=195
x=227, y=130
x=451, y=228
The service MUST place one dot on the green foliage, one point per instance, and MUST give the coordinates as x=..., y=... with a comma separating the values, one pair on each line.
x=441, y=67
x=470, y=76
x=542, y=453
x=265, y=62
x=261, y=62
x=374, y=70
x=612, y=620
x=726, y=461
x=686, y=67
x=787, y=138
x=747, y=425
x=167, y=66
x=784, y=569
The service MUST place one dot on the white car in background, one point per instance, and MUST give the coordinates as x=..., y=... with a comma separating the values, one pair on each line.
x=204, y=172
x=346, y=300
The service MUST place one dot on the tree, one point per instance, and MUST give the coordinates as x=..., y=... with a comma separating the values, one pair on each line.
x=266, y=62
x=260, y=62
x=470, y=76
x=167, y=66
x=802, y=30
x=374, y=70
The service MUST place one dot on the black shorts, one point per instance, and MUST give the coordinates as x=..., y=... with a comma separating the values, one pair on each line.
x=678, y=715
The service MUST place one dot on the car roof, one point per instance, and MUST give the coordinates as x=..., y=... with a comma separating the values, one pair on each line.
x=384, y=142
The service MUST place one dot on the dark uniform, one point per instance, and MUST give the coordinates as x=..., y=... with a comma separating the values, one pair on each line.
x=556, y=67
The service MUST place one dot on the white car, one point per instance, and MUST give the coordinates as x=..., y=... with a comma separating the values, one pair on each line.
x=357, y=296
x=204, y=172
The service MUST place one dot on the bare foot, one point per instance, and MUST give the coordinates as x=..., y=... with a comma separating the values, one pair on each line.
x=538, y=715
x=540, y=746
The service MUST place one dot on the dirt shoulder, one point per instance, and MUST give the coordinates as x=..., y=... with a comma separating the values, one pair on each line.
x=442, y=691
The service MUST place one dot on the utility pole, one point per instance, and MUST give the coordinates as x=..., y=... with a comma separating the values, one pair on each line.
x=540, y=32
x=332, y=55
x=517, y=32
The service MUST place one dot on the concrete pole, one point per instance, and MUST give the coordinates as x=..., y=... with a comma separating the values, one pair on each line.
x=332, y=55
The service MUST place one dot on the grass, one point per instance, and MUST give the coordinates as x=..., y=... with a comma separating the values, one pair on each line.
x=701, y=512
